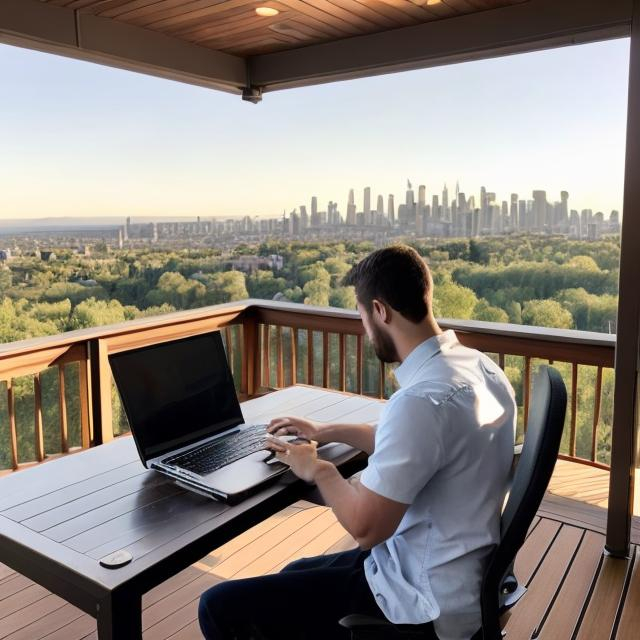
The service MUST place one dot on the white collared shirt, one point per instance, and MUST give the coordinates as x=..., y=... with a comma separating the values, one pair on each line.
x=444, y=446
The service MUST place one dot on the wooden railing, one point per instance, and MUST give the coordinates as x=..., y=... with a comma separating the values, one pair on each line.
x=271, y=345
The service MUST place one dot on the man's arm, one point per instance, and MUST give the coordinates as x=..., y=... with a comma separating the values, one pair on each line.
x=369, y=517
x=359, y=436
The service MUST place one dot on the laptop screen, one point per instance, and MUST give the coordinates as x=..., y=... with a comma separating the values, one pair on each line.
x=176, y=393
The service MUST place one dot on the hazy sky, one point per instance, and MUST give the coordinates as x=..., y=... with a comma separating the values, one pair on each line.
x=82, y=139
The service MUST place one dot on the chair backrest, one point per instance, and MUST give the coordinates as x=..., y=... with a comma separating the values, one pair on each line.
x=538, y=458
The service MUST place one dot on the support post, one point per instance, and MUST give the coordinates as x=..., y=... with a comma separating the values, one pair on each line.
x=100, y=373
x=625, y=412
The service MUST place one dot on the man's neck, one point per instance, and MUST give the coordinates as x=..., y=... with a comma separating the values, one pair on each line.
x=413, y=335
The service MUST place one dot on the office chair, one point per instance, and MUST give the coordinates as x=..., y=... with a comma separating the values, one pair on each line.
x=500, y=589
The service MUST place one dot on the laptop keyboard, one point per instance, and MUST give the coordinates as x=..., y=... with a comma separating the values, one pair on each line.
x=219, y=453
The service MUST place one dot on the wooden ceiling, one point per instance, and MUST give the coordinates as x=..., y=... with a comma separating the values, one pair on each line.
x=232, y=26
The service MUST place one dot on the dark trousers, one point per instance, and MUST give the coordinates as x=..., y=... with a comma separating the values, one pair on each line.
x=302, y=602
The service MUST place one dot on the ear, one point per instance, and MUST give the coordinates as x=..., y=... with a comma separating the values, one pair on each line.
x=382, y=311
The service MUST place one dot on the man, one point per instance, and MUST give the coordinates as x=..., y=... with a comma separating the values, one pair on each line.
x=426, y=510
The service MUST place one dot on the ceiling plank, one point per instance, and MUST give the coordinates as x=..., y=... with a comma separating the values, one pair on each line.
x=521, y=27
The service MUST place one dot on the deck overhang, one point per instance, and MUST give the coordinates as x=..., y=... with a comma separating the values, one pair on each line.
x=516, y=28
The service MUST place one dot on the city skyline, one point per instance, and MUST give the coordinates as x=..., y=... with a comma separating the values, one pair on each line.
x=83, y=140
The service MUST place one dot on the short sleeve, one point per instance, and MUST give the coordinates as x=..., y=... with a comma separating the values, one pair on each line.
x=408, y=449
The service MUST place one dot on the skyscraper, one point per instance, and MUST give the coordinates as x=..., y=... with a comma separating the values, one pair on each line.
x=315, y=218
x=367, y=205
x=422, y=195
x=445, y=203
x=539, y=210
x=513, y=213
x=391, y=212
x=380, y=207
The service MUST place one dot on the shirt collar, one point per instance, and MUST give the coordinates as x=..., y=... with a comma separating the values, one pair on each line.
x=422, y=353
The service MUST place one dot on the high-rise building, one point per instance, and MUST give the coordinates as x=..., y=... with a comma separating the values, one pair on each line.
x=445, y=203
x=539, y=212
x=315, y=217
x=366, y=209
x=513, y=213
x=380, y=206
x=422, y=198
x=435, y=208
x=391, y=212
x=304, y=218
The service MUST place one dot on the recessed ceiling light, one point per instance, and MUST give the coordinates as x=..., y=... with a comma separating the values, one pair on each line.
x=267, y=12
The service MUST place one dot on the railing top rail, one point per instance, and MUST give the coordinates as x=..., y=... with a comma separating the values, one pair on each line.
x=245, y=307
x=572, y=336
x=69, y=338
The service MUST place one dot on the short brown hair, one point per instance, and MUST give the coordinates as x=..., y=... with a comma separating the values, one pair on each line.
x=397, y=276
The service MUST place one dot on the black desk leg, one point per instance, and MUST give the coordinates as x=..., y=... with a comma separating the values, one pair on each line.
x=120, y=617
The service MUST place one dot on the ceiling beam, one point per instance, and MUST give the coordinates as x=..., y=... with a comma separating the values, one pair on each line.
x=529, y=26
x=44, y=27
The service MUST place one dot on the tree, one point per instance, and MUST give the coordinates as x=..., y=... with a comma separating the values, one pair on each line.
x=344, y=297
x=317, y=292
x=546, y=313
x=95, y=313
x=484, y=311
x=454, y=301
x=174, y=289
x=226, y=287
x=264, y=285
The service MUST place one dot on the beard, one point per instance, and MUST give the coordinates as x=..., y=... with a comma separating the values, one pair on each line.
x=383, y=345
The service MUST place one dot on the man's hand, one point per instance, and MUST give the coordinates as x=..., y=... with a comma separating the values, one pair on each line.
x=291, y=425
x=301, y=458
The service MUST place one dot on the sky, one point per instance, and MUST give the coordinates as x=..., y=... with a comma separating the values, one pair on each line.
x=80, y=139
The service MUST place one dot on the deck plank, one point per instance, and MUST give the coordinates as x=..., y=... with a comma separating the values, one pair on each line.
x=534, y=549
x=544, y=585
x=629, y=626
x=561, y=620
x=603, y=604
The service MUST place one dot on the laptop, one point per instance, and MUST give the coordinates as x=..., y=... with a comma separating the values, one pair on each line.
x=186, y=421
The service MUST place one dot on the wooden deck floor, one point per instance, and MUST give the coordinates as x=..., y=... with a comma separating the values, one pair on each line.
x=573, y=591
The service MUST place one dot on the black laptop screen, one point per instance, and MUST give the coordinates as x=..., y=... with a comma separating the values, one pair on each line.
x=176, y=393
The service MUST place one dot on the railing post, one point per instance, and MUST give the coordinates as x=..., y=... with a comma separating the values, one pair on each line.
x=625, y=410
x=100, y=395
x=250, y=374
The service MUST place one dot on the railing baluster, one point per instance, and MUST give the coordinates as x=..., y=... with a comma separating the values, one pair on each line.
x=85, y=399
x=228, y=343
x=501, y=360
x=62, y=402
x=343, y=361
x=266, y=356
x=13, y=435
x=38, y=430
x=250, y=373
x=359, y=364
x=526, y=389
x=310, y=356
x=381, y=380
x=294, y=356
x=279, y=359
x=325, y=359
x=574, y=408
x=596, y=415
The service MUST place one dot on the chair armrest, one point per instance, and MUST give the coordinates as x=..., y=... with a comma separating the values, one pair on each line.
x=363, y=623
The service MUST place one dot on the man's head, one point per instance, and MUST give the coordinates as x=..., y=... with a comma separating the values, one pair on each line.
x=394, y=291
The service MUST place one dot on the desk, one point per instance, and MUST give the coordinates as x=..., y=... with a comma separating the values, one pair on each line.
x=58, y=519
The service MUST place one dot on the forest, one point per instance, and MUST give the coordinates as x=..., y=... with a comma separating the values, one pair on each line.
x=541, y=281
